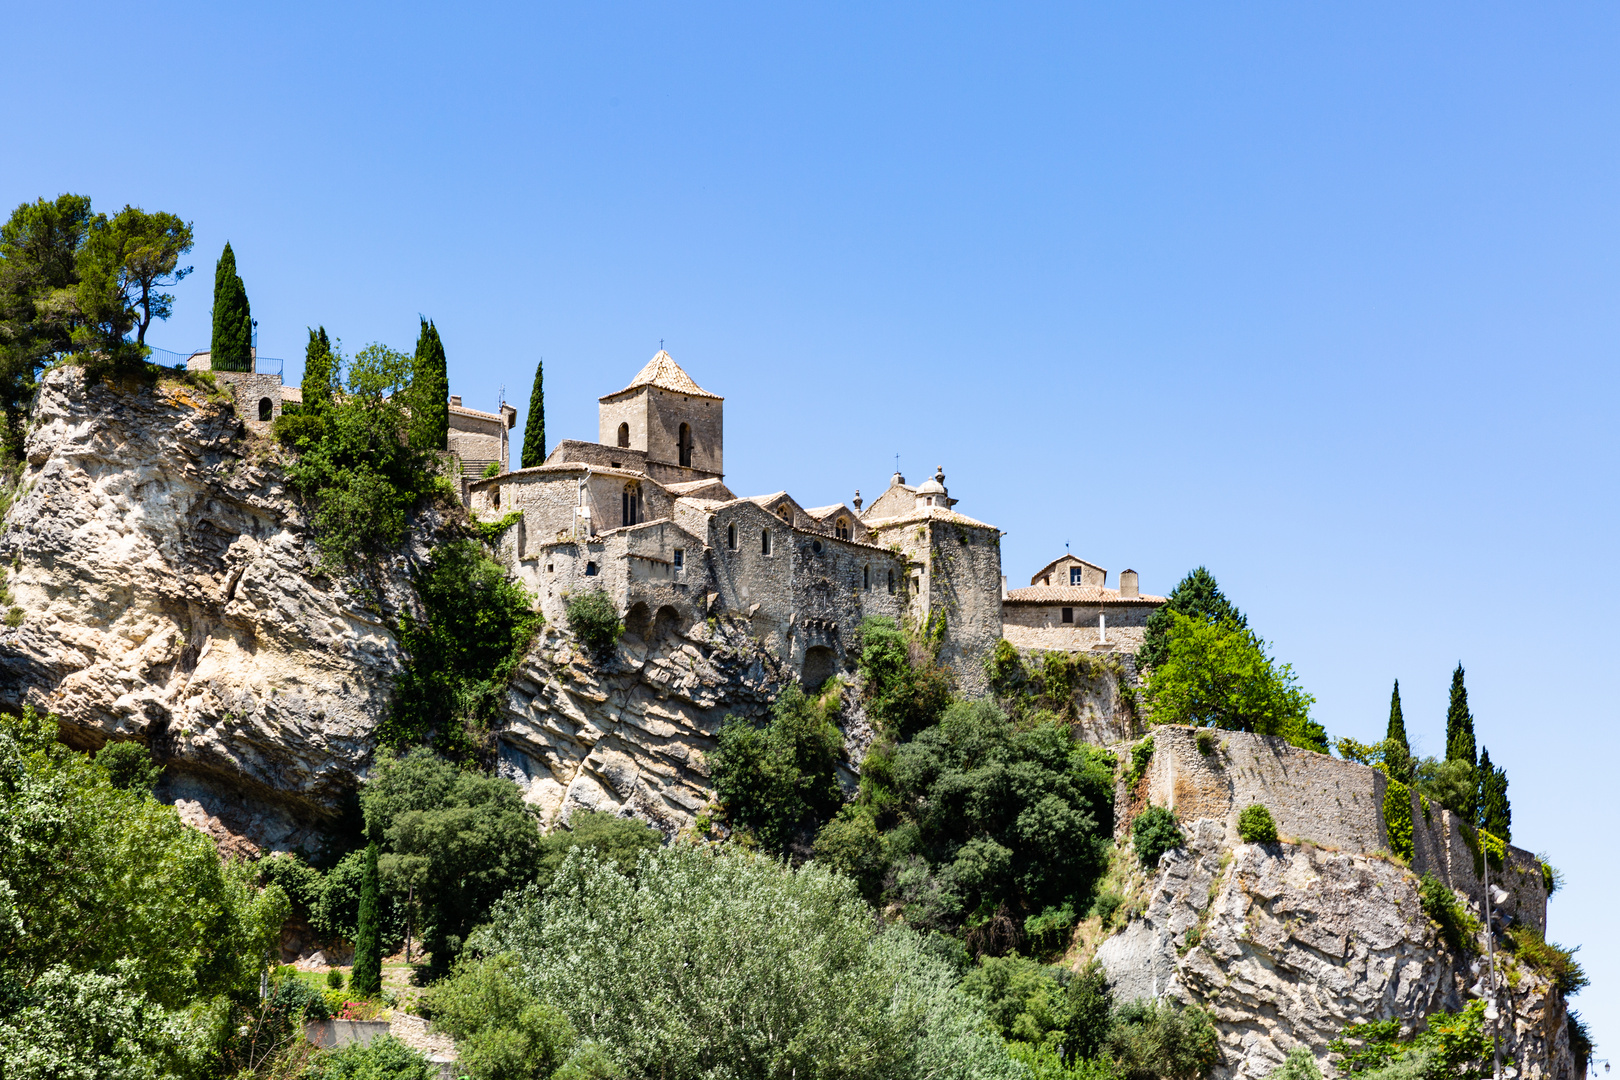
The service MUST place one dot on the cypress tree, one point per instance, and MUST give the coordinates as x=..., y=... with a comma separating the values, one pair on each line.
x=534, y=428
x=1495, y=815
x=367, y=977
x=1197, y=597
x=1397, y=751
x=430, y=391
x=1460, y=737
x=231, y=347
x=320, y=373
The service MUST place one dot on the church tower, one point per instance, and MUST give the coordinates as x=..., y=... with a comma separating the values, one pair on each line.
x=669, y=417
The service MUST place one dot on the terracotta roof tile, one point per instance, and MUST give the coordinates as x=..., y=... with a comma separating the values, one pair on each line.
x=663, y=372
x=1076, y=594
x=927, y=513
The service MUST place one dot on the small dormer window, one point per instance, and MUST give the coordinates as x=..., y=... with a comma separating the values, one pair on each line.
x=1076, y=576
x=841, y=529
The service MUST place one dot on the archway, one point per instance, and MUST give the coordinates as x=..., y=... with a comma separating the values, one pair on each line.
x=266, y=408
x=638, y=620
x=624, y=435
x=668, y=623
x=820, y=664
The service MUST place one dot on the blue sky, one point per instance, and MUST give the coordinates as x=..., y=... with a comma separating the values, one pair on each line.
x=1320, y=296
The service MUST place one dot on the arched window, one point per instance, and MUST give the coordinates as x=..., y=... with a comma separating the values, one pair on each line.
x=266, y=407
x=785, y=513
x=624, y=434
x=764, y=541
x=630, y=504
x=891, y=582
x=841, y=529
x=731, y=536
x=684, y=443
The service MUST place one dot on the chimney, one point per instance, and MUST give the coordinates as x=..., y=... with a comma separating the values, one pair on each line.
x=455, y=401
x=1004, y=586
x=1127, y=583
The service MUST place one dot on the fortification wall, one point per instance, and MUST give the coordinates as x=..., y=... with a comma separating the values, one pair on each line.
x=1317, y=798
x=249, y=389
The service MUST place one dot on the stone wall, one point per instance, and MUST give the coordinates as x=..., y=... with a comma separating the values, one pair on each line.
x=477, y=438
x=1317, y=798
x=655, y=416
x=249, y=389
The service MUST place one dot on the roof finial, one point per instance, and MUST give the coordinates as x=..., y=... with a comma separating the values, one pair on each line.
x=660, y=344
x=857, y=499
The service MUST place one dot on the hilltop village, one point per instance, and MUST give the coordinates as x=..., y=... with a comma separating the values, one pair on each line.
x=644, y=513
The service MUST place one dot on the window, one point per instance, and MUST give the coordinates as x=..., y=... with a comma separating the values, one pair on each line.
x=891, y=582
x=731, y=536
x=550, y=568
x=1068, y=614
x=764, y=541
x=1076, y=577
x=266, y=407
x=815, y=546
x=495, y=497
x=916, y=586
x=841, y=529
x=785, y=512
x=624, y=434
x=866, y=577
x=590, y=569
x=684, y=443
x=630, y=504
x=680, y=558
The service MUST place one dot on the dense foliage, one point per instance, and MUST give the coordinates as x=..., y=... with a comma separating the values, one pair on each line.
x=1398, y=759
x=476, y=625
x=1460, y=743
x=231, y=344
x=366, y=977
x=1440, y=904
x=502, y=1030
x=1154, y=832
x=1219, y=675
x=1452, y=1046
x=779, y=779
x=1196, y=597
x=430, y=391
x=593, y=618
x=691, y=969
x=457, y=839
x=906, y=690
x=1495, y=813
x=616, y=840
x=1256, y=826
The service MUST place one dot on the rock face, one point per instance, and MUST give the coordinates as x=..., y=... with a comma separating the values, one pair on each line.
x=168, y=593
x=627, y=734
x=1286, y=944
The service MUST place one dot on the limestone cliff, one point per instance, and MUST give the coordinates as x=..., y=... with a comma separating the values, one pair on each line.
x=167, y=586
x=1288, y=943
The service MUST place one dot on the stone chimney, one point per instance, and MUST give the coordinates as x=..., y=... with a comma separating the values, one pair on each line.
x=455, y=401
x=1127, y=583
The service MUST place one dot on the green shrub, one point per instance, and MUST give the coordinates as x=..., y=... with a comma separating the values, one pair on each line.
x=1090, y=1003
x=299, y=430
x=334, y=979
x=1105, y=905
x=1452, y=784
x=1206, y=742
x=1255, y=825
x=1580, y=1039
x=129, y=766
x=1050, y=931
x=15, y=617
x=594, y=620
x=612, y=838
x=384, y=1058
x=502, y=1031
x=1553, y=961
x=1155, y=832
x=1440, y=903
x=906, y=691
x=780, y=779
x=1398, y=818
x=1300, y=1064
x=1551, y=878
x=476, y=626
x=1452, y=1046
x=1158, y=1040
x=851, y=844
x=1141, y=755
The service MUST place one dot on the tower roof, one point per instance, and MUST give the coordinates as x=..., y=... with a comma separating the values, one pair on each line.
x=664, y=373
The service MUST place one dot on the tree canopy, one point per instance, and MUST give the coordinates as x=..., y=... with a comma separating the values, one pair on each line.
x=231, y=346
x=1196, y=596
x=534, y=426
x=430, y=391
x=1397, y=751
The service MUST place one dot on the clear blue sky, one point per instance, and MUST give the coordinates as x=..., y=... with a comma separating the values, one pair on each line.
x=1320, y=296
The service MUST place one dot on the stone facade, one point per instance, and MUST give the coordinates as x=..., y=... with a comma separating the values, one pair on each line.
x=479, y=439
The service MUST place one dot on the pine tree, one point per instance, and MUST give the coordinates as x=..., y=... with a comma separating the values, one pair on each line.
x=1197, y=597
x=1397, y=751
x=231, y=348
x=1460, y=737
x=430, y=392
x=1495, y=815
x=320, y=373
x=366, y=979
x=534, y=428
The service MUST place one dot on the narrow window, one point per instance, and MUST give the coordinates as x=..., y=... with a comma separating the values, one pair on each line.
x=590, y=569
x=630, y=504
x=764, y=541
x=495, y=497
x=624, y=434
x=916, y=586
x=1068, y=614
x=841, y=530
x=1075, y=576
x=866, y=577
x=785, y=513
x=731, y=536
x=265, y=408
x=891, y=582
x=680, y=558
x=550, y=569
x=684, y=441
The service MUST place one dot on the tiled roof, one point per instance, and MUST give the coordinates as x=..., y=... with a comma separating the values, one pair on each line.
x=480, y=413
x=292, y=393
x=1076, y=594
x=1051, y=565
x=820, y=512
x=927, y=513
x=663, y=372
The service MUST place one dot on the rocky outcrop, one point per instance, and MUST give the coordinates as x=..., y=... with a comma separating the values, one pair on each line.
x=169, y=594
x=627, y=733
x=1286, y=944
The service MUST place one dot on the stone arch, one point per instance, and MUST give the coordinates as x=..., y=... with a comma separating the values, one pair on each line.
x=624, y=435
x=638, y=620
x=820, y=664
x=267, y=408
x=668, y=622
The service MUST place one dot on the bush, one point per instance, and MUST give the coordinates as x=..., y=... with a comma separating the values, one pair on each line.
x=384, y=1058
x=1453, y=1046
x=502, y=1031
x=1157, y=1040
x=1141, y=755
x=851, y=844
x=129, y=766
x=1155, y=832
x=1256, y=826
x=594, y=620
x=1398, y=818
x=906, y=691
x=1091, y=1009
x=612, y=838
x=334, y=979
x=780, y=779
x=1457, y=926
x=1299, y=1065
x=1452, y=784
x=299, y=430
x=692, y=968
x=1553, y=961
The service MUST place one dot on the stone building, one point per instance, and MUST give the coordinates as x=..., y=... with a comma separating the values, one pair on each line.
x=1069, y=606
